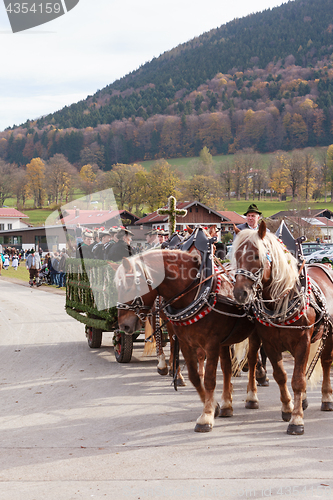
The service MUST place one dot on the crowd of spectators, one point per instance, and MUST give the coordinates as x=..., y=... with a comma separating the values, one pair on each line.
x=103, y=244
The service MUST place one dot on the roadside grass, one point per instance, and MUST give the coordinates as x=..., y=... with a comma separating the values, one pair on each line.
x=22, y=272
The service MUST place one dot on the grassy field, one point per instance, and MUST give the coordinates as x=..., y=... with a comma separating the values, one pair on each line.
x=269, y=208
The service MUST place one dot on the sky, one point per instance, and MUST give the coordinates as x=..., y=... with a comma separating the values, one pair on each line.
x=63, y=61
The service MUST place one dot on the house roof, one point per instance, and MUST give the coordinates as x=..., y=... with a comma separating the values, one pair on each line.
x=95, y=217
x=233, y=217
x=320, y=221
x=300, y=213
x=154, y=217
x=12, y=213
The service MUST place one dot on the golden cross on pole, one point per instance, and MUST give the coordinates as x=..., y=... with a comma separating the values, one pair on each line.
x=172, y=213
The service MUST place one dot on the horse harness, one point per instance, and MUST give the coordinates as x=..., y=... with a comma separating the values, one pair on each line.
x=309, y=295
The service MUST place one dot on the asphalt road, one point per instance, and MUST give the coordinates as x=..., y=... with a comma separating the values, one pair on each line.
x=75, y=424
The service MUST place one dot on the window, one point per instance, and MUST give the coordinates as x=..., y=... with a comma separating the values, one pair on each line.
x=2, y=227
x=9, y=226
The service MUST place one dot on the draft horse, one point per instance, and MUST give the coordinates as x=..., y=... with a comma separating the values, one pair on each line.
x=212, y=329
x=293, y=307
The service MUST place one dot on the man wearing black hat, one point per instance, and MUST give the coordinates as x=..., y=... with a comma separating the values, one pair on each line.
x=252, y=218
x=33, y=265
x=123, y=246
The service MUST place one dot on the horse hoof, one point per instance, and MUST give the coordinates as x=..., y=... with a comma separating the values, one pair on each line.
x=226, y=412
x=263, y=383
x=181, y=382
x=327, y=406
x=162, y=371
x=305, y=404
x=295, y=430
x=217, y=410
x=252, y=405
x=286, y=416
x=203, y=428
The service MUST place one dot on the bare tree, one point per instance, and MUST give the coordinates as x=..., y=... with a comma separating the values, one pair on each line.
x=6, y=181
x=20, y=187
x=225, y=173
x=324, y=170
x=296, y=172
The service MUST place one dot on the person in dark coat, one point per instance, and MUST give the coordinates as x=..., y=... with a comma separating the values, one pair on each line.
x=123, y=246
x=98, y=250
x=113, y=231
x=83, y=250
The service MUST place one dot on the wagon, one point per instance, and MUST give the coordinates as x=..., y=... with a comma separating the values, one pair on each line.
x=90, y=299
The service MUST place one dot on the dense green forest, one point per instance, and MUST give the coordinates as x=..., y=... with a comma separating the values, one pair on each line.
x=263, y=82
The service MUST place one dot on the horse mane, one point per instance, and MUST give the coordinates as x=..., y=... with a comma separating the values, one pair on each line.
x=138, y=263
x=284, y=271
x=141, y=263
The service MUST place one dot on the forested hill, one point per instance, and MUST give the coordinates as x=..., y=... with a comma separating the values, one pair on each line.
x=264, y=81
x=301, y=28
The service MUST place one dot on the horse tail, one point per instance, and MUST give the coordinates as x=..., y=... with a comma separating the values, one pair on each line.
x=317, y=372
x=239, y=354
x=150, y=345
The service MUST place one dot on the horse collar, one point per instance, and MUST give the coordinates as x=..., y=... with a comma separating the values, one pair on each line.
x=297, y=307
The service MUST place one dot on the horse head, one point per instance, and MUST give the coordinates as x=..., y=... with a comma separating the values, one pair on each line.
x=141, y=278
x=262, y=262
x=136, y=294
x=252, y=262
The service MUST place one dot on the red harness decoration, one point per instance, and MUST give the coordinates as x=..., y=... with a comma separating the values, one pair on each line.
x=205, y=311
x=295, y=318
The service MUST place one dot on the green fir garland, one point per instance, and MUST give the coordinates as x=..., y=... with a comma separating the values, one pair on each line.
x=91, y=293
x=172, y=213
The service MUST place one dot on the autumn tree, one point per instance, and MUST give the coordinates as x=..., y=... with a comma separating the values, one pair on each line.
x=162, y=182
x=125, y=183
x=36, y=181
x=88, y=178
x=204, y=189
x=60, y=178
x=280, y=175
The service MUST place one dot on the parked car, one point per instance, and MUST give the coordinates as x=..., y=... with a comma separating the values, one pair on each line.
x=318, y=256
x=315, y=256
x=309, y=248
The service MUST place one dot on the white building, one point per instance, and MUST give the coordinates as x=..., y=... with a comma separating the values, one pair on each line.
x=10, y=218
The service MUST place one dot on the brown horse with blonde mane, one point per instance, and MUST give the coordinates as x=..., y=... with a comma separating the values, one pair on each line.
x=293, y=306
x=211, y=330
